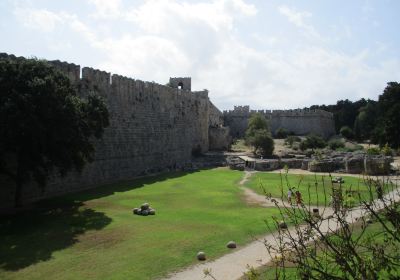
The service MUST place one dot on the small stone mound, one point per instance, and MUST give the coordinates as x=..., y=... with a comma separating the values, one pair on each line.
x=282, y=225
x=144, y=210
x=338, y=180
x=231, y=245
x=201, y=256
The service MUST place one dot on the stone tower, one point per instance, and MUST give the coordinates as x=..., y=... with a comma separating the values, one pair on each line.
x=181, y=83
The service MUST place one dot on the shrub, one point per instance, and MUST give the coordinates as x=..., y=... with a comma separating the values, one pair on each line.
x=373, y=151
x=386, y=150
x=292, y=139
x=335, y=144
x=347, y=132
x=312, y=142
x=281, y=133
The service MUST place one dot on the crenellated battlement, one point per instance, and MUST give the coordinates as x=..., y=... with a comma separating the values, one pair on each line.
x=245, y=111
x=153, y=127
x=299, y=121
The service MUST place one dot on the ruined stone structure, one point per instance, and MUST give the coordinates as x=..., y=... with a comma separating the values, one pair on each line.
x=300, y=122
x=152, y=128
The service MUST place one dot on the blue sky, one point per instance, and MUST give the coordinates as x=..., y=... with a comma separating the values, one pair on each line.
x=266, y=54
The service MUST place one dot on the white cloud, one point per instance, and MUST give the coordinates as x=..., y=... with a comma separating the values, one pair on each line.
x=174, y=38
x=39, y=19
x=156, y=16
x=106, y=8
x=299, y=19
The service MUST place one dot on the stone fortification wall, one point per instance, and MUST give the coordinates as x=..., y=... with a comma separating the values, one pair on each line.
x=152, y=128
x=301, y=122
x=216, y=118
x=219, y=137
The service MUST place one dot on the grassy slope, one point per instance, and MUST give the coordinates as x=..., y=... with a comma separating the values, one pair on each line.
x=276, y=185
x=93, y=234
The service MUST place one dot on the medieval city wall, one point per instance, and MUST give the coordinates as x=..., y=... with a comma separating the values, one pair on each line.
x=299, y=121
x=152, y=128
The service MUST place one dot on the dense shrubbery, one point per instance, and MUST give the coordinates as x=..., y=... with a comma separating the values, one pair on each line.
x=335, y=144
x=281, y=133
x=312, y=142
x=290, y=140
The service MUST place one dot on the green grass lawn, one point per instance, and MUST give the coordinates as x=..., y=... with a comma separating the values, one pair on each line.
x=277, y=185
x=94, y=235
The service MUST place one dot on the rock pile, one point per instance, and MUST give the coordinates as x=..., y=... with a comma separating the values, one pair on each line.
x=338, y=180
x=231, y=245
x=144, y=210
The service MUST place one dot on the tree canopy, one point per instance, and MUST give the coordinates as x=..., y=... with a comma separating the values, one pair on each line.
x=374, y=120
x=44, y=125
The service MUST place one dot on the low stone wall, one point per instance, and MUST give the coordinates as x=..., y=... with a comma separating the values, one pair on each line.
x=377, y=166
x=291, y=163
x=354, y=165
x=321, y=166
x=346, y=163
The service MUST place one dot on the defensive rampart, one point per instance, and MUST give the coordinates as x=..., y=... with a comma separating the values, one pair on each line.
x=152, y=128
x=299, y=121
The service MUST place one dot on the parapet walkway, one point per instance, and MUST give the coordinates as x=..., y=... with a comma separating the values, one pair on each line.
x=235, y=264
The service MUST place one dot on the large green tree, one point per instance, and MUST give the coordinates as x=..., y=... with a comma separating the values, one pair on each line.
x=389, y=115
x=259, y=136
x=44, y=126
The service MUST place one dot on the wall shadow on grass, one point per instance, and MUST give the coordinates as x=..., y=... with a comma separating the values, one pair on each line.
x=31, y=236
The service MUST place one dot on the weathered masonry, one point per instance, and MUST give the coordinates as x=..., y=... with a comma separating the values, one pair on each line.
x=300, y=122
x=152, y=128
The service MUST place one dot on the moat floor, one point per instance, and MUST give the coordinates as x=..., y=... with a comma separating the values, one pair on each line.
x=94, y=235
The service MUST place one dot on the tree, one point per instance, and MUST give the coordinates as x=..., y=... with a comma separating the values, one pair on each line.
x=387, y=128
x=340, y=242
x=44, y=126
x=366, y=121
x=263, y=142
x=259, y=136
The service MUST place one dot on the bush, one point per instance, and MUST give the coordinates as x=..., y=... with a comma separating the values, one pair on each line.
x=281, y=133
x=347, y=132
x=312, y=142
x=335, y=144
x=373, y=151
x=290, y=140
x=386, y=150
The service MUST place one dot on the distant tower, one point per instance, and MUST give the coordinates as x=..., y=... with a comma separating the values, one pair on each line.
x=181, y=83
